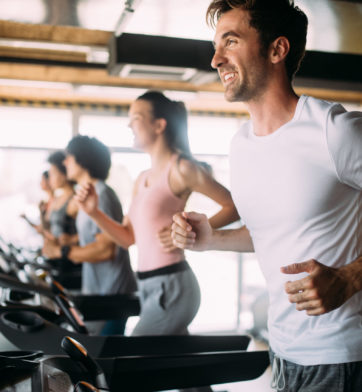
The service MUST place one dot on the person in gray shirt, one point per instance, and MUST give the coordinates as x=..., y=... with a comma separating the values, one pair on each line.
x=106, y=266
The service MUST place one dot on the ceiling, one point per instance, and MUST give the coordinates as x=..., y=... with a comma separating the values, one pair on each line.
x=63, y=46
x=333, y=23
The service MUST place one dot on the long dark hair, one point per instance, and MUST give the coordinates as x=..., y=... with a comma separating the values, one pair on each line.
x=175, y=114
x=57, y=159
x=176, y=132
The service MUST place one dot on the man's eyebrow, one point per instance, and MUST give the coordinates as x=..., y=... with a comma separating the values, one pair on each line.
x=227, y=34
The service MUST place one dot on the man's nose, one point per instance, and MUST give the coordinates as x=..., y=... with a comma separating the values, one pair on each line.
x=218, y=59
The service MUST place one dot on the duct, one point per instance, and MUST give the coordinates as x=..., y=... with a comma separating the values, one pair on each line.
x=159, y=57
x=340, y=71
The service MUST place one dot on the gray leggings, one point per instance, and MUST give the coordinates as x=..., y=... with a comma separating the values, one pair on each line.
x=168, y=303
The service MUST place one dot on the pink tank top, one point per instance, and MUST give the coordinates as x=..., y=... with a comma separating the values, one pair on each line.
x=151, y=210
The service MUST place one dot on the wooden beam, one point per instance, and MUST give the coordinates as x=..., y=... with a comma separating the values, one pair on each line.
x=85, y=76
x=63, y=96
x=55, y=34
x=43, y=54
x=332, y=94
x=93, y=77
x=56, y=95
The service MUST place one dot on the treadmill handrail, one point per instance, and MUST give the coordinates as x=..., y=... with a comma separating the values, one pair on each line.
x=9, y=281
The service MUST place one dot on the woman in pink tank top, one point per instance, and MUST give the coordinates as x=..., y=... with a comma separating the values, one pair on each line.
x=169, y=292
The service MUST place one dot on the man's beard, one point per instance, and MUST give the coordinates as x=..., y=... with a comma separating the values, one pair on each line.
x=251, y=87
x=241, y=93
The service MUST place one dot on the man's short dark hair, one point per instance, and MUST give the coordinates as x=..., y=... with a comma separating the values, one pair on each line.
x=91, y=154
x=57, y=159
x=272, y=19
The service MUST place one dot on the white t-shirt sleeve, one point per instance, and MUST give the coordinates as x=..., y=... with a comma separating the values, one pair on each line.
x=344, y=139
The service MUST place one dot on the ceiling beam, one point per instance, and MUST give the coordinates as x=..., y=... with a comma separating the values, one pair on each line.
x=42, y=54
x=55, y=34
x=90, y=76
x=214, y=103
x=64, y=96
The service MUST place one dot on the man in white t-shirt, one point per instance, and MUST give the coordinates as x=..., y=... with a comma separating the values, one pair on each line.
x=296, y=179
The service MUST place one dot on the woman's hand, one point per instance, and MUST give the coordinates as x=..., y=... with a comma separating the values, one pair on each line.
x=67, y=239
x=49, y=236
x=51, y=249
x=164, y=236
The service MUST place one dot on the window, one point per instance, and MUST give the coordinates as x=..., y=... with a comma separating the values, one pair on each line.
x=20, y=193
x=34, y=127
x=212, y=135
x=113, y=131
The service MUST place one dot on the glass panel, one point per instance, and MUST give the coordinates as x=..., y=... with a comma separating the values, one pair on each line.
x=34, y=127
x=21, y=193
x=217, y=272
x=115, y=132
x=111, y=130
x=217, y=276
x=212, y=135
x=254, y=298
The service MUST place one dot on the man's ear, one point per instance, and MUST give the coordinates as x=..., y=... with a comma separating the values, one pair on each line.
x=161, y=125
x=279, y=49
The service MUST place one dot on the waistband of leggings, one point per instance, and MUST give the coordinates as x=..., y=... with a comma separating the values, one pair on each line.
x=169, y=269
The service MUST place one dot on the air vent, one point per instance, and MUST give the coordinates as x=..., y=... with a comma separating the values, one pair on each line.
x=164, y=58
x=144, y=71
